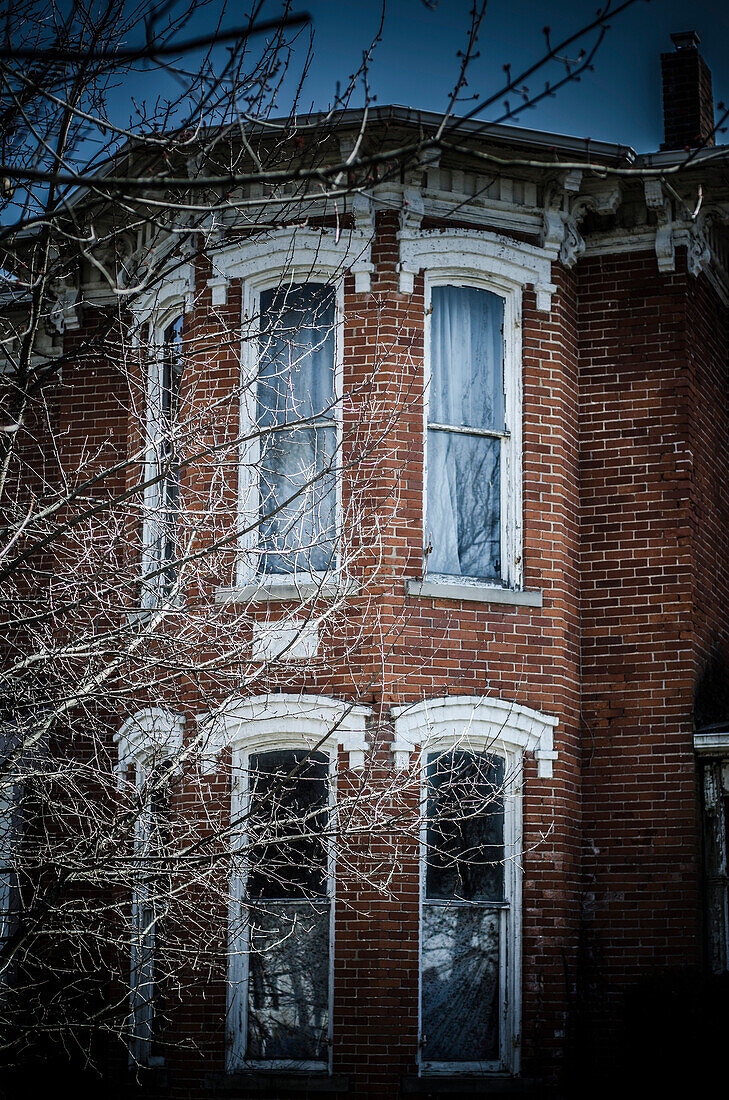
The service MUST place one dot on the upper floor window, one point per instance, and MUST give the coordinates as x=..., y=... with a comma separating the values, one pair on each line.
x=163, y=463
x=297, y=426
x=471, y=505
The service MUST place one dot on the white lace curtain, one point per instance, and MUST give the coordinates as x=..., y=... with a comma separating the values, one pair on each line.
x=466, y=392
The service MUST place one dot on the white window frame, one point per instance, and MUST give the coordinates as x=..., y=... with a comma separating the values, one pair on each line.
x=250, y=450
x=261, y=724
x=147, y=738
x=500, y=728
x=512, y=572
x=174, y=306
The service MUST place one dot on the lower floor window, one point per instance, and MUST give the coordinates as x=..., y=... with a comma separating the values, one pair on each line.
x=464, y=910
x=283, y=926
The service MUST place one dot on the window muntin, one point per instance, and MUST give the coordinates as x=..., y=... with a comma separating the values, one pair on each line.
x=467, y=434
x=295, y=407
x=286, y=908
x=464, y=914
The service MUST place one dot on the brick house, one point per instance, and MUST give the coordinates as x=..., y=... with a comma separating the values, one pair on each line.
x=564, y=336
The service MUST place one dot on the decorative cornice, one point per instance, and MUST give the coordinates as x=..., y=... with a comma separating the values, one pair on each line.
x=480, y=723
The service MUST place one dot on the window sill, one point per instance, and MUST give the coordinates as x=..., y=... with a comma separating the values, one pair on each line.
x=274, y=1082
x=268, y=592
x=474, y=593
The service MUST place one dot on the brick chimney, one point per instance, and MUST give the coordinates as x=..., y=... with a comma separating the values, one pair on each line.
x=688, y=103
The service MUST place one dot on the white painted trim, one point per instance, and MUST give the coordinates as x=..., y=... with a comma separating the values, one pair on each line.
x=299, y=269
x=480, y=723
x=712, y=742
x=172, y=292
x=153, y=733
x=512, y=571
x=172, y=305
x=310, y=253
x=298, y=590
x=451, y=589
x=311, y=721
x=478, y=252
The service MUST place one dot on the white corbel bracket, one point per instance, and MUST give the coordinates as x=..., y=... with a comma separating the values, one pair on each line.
x=273, y=721
x=478, y=723
x=63, y=314
x=665, y=245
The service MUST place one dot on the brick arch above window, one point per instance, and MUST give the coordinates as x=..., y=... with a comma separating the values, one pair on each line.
x=152, y=733
x=478, y=723
x=476, y=251
x=262, y=722
x=301, y=253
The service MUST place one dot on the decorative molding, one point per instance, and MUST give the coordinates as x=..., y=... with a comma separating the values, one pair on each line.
x=63, y=314
x=178, y=290
x=712, y=742
x=300, y=251
x=498, y=257
x=480, y=723
x=266, y=721
x=150, y=734
x=664, y=243
x=267, y=591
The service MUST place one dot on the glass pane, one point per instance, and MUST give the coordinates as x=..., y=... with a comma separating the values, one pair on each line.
x=460, y=991
x=465, y=831
x=300, y=536
x=288, y=984
x=464, y=505
x=466, y=356
x=288, y=819
x=296, y=369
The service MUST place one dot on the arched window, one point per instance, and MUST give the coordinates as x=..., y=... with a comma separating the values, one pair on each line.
x=470, y=753
x=284, y=754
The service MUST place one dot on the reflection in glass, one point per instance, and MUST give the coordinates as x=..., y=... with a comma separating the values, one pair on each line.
x=464, y=505
x=460, y=994
x=288, y=906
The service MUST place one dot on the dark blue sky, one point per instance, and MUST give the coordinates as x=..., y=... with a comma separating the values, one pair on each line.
x=415, y=64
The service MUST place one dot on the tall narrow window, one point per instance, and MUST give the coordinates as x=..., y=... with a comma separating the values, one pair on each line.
x=464, y=912
x=287, y=908
x=163, y=464
x=296, y=410
x=466, y=433
x=150, y=906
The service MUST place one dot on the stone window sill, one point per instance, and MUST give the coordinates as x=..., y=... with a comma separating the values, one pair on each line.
x=268, y=592
x=474, y=593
